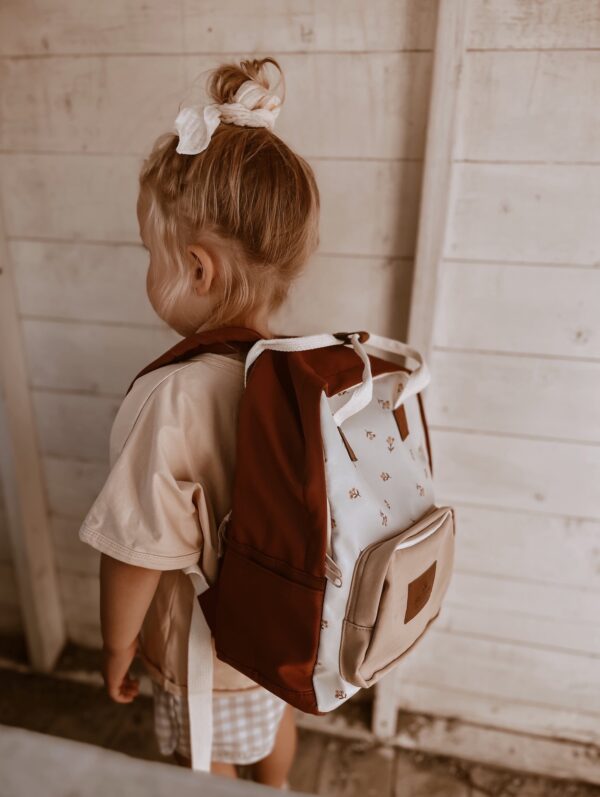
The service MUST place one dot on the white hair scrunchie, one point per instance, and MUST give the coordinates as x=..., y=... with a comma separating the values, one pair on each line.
x=252, y=106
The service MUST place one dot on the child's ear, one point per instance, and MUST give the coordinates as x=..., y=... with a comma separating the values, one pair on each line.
x=203, y=269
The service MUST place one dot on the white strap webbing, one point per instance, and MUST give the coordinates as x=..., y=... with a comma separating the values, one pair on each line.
x=200, y=678
x=305, y=343
x=363, y=393
x=418, y=379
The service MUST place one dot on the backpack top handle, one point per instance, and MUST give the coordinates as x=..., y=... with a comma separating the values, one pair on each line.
x=363, y=393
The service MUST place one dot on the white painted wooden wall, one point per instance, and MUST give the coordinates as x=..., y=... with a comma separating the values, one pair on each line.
x=515, y=402
x=85, y=92
x=516, y=358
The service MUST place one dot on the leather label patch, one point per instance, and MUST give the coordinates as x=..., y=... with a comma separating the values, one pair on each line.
x=419, y=591
x=401, y=421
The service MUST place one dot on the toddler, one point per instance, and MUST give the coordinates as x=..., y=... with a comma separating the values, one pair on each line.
x=229, y=215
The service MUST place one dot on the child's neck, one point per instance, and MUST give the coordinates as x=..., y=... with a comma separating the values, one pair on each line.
x=260, y=322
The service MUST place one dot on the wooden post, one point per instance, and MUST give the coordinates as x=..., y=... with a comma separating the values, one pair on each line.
x=448, y=59
x=23, y=484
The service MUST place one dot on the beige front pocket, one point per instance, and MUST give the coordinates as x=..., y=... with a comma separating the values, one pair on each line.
x=397, y=590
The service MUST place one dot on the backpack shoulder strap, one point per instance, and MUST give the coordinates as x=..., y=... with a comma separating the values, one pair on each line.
x=214, y=341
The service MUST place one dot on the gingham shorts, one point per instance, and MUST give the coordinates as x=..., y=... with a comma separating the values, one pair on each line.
x=244, y=724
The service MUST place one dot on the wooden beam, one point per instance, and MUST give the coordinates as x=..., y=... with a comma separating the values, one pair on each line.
x=470, y=741
x=448, y=58
x=23, y=484
x=437, y=172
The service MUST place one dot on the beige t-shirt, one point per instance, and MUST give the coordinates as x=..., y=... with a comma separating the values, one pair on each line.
x=172, y=457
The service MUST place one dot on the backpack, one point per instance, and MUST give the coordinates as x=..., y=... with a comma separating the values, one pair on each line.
x=335, y=557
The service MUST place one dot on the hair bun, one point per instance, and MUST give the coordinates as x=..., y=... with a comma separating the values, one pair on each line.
x=226, y=79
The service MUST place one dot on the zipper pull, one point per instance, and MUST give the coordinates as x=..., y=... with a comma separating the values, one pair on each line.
x=332, y=571
x=221, y=535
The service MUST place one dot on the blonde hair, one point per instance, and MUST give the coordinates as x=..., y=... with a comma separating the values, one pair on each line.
x=251, y=200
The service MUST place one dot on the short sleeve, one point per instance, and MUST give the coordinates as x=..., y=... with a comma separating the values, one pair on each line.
x=151, y=509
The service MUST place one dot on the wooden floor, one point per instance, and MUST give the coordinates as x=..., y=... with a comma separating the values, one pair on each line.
x=78, y=709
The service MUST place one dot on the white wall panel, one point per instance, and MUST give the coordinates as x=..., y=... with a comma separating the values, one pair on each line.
x=44, y=27
x=360, y=105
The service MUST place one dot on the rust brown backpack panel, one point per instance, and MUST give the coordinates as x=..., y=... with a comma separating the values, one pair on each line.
x=271, y=583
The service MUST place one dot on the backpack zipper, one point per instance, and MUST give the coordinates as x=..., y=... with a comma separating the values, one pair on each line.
x=332, y=571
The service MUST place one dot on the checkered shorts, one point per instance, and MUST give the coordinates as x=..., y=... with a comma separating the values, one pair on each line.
x=244, y=724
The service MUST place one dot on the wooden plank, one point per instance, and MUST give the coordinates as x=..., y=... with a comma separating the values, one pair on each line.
x=93, y=104
x=82, y=282
x=500, y=624
x=506, y=394
x=394, y=83
x=137, y=26
x=364, y=105
x=94, y=357
x=385, y=708
x=74, y=425
x=338, y=293
x=72, y=555
x=73, y=486
x=81, y=601
x=23, y=485
x=84, y=632
x=540, y=213
x=72, y=197
x=41, y=27
x=106, y=282
x=79, y=197
x=521, y=106
x=518, y=611
x=504, y=671
x=451, y=24
x=304, y=25
x=437, y=174
x=307, y=762
x=348, y=769
x=98, y=769
x=539, y=548
x=390, y=191
x=531, y=720
x=501, y=748
x=490, y=735
x=81, y=597
x=552, y=311
x=538, y=475
x=552, y=24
